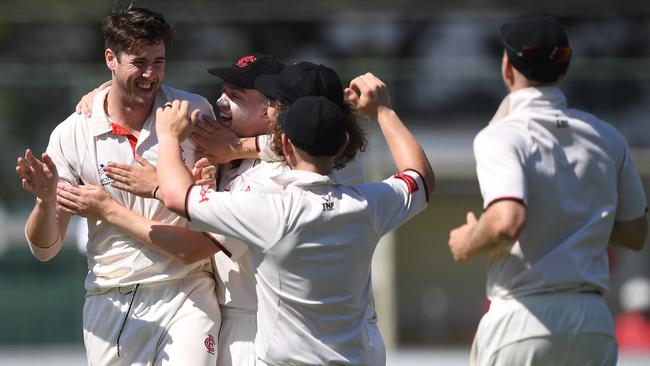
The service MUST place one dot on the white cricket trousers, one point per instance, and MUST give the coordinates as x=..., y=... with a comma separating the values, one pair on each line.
x=172, y=322
x=559, y=329
x=237, y=337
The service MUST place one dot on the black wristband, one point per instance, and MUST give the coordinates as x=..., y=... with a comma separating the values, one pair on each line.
x=154, y=192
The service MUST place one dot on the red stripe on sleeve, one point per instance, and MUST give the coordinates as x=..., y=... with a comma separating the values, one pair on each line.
x=411, y=183
x=516, y=199
x=219, y=244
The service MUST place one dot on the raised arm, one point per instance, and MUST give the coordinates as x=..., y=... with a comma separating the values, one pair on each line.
x=45, y=227
x=172, y=127
x=369, y=95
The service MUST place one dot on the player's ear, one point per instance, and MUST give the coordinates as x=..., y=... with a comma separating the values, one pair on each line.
x=507, y=70
x=111, y=59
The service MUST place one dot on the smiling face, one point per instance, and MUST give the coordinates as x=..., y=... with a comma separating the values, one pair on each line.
x=243, y=110
x=138, y=76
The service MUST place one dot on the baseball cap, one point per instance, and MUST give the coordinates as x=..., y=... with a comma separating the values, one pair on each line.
x=315, y=125
x=537, y=46
x=244, y=71
x=299, y=80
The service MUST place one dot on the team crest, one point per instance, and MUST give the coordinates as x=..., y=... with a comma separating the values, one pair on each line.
x=103, y=179
x=244, y=61
x=209, y=344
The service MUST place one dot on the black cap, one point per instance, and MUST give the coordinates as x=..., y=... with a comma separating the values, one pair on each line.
x=300, y=80
x=244, y=71
x=537, y=46
x=315, y=125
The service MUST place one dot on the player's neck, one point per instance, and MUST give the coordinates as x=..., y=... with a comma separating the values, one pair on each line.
x=127, y=115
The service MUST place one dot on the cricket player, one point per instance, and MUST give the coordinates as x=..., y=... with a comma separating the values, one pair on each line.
x=236, y=281
x=558, y=187
x=314, y=232
x=142, y=307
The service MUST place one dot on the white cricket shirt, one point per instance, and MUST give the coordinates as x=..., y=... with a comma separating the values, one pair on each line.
x=312, y=247
x=234, y=266
x=81, y=147
x=575, y=176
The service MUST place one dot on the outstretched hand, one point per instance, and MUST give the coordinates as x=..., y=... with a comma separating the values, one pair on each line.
x=38, y=177
x=368, y=94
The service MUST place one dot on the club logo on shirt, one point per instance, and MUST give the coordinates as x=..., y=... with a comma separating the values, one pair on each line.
x=103, y=179
x=561, y=123
x=204, y=195
x=328, y=204
x=209, y=344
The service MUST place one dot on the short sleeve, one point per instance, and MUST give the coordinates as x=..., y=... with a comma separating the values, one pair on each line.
x=500, y=163
x=237, y=215
x=61, y=148
x=395, y=200
x=632, y=202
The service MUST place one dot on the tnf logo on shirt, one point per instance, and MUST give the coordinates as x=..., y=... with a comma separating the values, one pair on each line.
x=103, y=179
x=328, y=204
x=209, y=344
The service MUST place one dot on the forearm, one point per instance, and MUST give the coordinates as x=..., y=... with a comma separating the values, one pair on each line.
x=43, y=231
x=247, y=148
x=486, y=238
x=173, y=176
x=404, y=147
x=185, y=245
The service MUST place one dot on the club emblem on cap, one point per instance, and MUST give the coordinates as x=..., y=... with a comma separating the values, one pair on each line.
x=244, y=61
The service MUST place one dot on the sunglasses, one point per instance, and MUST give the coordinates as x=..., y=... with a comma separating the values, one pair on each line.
x=559, y=55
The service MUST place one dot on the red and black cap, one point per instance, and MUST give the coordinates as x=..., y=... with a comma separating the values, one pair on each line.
x=537, y=46
x=244, y=71
x=315, y=125
x=300, y=80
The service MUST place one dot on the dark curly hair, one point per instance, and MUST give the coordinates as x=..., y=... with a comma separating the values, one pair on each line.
x=132, y=28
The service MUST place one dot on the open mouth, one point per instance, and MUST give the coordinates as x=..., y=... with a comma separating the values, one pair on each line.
x=224, y=119
x=145, y=86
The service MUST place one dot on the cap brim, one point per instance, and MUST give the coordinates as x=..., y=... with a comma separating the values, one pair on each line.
x=268, y=85
x=230, y=75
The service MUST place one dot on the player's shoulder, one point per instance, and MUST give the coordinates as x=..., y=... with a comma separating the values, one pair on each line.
x=605, y=129
x=173, y=93
x=71, y=125
x=511, y=129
